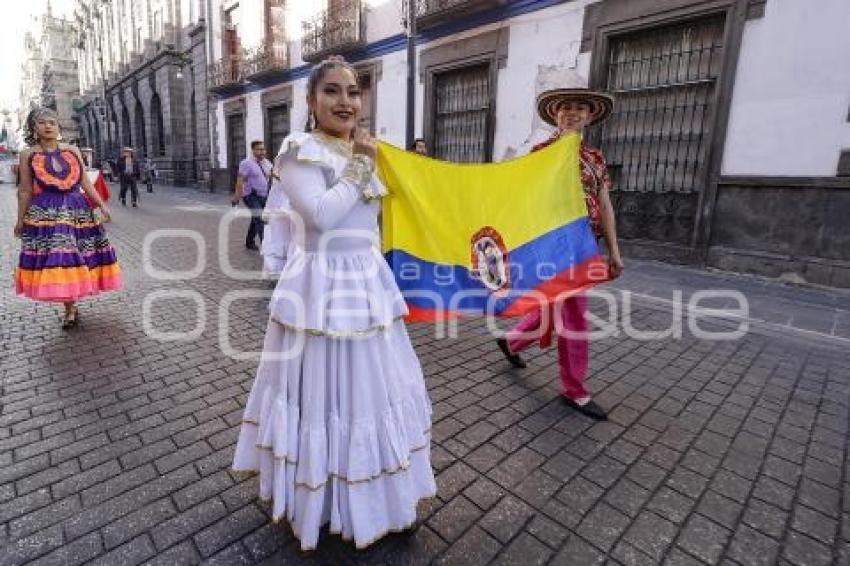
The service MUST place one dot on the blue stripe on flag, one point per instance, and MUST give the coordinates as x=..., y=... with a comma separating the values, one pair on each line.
x=531, y=265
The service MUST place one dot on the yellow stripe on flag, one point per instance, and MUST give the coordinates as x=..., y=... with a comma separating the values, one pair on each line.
x=435, y=207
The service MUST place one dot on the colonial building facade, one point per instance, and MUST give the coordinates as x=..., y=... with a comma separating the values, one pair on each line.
x=143, y=74
x=32, y=76
x=49, y=71
x=729, y=145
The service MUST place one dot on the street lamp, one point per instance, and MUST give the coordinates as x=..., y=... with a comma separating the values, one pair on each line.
x=410, y=122
x=182, y=60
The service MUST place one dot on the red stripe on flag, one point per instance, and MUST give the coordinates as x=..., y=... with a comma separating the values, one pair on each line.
x=420, y=314
x=571, y=281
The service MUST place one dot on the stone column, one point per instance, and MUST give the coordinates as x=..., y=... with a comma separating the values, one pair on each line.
x=129, y=101
x=198, y=75
x=145, y=93
x=171, y=95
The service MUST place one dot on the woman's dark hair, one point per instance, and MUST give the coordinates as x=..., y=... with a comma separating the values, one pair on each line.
x=318, y=73
x=30, y=131
x=255, y=143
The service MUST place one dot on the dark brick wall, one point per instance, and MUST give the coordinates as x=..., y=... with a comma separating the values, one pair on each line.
x=220, y=179
x=796, y=228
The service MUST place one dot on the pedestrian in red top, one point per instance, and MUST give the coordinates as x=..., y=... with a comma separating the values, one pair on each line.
x=570, y=109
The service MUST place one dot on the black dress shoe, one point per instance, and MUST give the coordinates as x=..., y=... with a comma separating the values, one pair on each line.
x=252, y=246
x=590, y=409
x=123, y=203
x=135, y=205
x=514, y=359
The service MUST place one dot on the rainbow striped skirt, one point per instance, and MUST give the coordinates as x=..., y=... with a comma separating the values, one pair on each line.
x=65, y=254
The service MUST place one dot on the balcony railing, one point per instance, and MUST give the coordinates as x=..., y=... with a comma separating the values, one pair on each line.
x=225, y=73
x=265, y=59
x=337, y=30
x=430, y=13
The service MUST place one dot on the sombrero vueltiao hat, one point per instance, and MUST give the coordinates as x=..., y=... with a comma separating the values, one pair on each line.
x=572, y=86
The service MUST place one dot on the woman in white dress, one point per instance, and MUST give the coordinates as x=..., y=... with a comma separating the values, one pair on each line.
x=338, y=420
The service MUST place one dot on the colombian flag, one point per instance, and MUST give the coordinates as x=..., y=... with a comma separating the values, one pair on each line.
x=503, y=238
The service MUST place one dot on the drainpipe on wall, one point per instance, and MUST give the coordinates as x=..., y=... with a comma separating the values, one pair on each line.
x=411, y=73
x=213, y=132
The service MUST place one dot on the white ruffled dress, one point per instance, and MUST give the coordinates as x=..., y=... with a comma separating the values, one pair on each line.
x=277, y=237
x=339, y=431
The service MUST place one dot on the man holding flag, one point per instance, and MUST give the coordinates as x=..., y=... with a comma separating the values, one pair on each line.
x=570, y=110
x=515, y=238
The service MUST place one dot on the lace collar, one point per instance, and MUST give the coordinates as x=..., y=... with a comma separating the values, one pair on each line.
x=333, y=143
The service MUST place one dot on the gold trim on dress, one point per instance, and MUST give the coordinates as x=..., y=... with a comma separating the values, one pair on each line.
x=244, y=473
x=378, y=537
x=343, y=147
x=371, y=331
x=334, y=145
x=358, y=169
x=277, y=519
x=283, y=517
x=285, y=459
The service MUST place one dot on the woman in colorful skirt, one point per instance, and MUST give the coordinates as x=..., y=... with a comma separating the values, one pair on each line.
x=338, y=420
x=571, y=108
x=64, y=251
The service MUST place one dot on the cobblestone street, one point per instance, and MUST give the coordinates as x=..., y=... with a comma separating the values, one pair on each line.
x=115, y=447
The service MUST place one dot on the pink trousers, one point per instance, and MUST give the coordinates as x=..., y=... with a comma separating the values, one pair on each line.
x=571, y=332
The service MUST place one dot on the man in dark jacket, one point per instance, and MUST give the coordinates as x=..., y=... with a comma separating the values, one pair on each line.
x=128, y=173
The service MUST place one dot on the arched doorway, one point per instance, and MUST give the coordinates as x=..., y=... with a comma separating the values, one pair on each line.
x=100, y=151
x=158, y=126
x=140, y=129
x=83, y=127
x=126, y=137
x=194, y=134
x=112, y=134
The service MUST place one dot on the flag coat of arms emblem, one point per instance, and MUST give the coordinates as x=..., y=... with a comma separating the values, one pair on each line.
x=499, y=238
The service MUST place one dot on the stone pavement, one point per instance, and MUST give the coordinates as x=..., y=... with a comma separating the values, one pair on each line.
x=115, y=447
